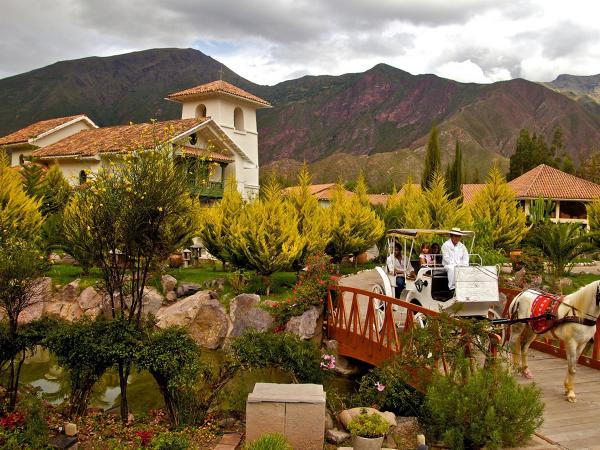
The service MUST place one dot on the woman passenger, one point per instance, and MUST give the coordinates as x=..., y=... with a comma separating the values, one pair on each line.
x=425, y=258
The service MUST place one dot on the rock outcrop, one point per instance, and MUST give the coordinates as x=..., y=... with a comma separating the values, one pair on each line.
x=305, y=326
x=246, y=314
x=202, y=315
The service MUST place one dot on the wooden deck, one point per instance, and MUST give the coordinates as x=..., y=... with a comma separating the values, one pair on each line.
x=572, y=426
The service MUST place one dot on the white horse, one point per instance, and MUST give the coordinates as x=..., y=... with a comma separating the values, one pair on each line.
x=575, y=325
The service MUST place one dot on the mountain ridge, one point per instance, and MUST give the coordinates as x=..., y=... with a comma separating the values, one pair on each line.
x=318, y=119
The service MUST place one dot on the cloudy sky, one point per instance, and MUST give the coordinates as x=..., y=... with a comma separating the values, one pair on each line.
x=268, y=41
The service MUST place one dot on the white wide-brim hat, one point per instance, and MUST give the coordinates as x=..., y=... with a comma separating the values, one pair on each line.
x=456, y=232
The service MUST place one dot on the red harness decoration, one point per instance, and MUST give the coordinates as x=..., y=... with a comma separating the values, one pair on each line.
x=545, y=305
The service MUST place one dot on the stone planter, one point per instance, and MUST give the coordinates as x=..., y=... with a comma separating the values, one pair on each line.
x=362, y=443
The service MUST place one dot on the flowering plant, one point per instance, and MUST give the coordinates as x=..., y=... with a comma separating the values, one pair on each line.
x=12, y=420
x=310, y=289
x=327, y=362
x=145, y=437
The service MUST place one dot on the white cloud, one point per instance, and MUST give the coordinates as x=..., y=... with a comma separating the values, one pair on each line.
x=268, y=41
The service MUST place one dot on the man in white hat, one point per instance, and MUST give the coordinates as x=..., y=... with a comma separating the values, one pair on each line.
x=454, y=253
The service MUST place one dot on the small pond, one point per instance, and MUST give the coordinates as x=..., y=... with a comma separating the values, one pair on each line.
x=41, y=370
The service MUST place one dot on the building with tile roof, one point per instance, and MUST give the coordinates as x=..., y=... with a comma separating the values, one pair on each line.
x=218, y=125
x=569, y=193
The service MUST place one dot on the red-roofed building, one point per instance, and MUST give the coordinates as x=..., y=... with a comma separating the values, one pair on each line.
x=218, y=125
x=569, y=193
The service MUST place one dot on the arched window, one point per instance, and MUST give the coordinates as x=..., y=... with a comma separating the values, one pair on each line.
x=21, y=159
x=200, y=111
x=82, y=177
x=238, y=119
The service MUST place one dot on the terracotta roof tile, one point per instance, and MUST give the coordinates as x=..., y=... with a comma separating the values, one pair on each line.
x=222, y=156
x=470, y=190
x=548, y=182
x=35, y=129
x=378, y=199
x=117, y=139
x=218, y=86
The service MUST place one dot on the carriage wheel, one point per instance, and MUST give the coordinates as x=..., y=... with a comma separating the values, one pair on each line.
x=379, y=307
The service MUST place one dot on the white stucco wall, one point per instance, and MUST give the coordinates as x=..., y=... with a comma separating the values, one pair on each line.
x=221, y=110
x=62, y=133
x=71, y=168
x=17, y=151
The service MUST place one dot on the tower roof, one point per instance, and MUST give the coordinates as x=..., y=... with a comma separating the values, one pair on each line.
x=217, y=87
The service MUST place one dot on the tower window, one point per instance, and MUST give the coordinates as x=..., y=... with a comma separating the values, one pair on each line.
x=238, y=119
x=200, y=111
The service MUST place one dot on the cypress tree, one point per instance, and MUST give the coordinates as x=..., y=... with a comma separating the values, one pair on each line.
x=433, y=163
x=456, y=173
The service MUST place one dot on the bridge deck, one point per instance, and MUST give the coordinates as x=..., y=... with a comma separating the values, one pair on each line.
x=572, y=426
x=569, y=426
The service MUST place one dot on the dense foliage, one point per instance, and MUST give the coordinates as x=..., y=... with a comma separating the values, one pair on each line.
x=288, y=352
x=269, y=441
x=455, y=174
x=497, y=217
x=483, y=408
x=433, y=163
x=368, y=425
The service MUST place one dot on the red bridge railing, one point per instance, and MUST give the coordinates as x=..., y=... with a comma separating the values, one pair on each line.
x=365, y=333
x=546, y=344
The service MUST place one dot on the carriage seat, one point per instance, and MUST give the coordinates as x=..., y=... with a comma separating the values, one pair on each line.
x=439, y=285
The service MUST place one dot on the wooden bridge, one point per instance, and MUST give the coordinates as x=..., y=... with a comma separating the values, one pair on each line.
x=369, y=326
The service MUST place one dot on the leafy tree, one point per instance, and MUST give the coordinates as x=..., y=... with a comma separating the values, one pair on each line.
x=593, y=215
x=590, y=168
x=266, y=232
x=433, y=163
x=497, y=218
x=355, y=228
x=172, y=357
x=55, y=191
x=20, y=216
x=21, y=263
x=456, y=174
x=361, y=191
x=561, y=244
x=82, y=349
x=532, y=151
x=314, y=224
x=521, y=160
x=32, y=174
x=133, y=214
x=414, y=214
x=439, y=208
x=216, y=223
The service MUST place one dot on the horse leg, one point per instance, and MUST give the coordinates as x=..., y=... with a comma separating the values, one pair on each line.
x=528, y=338
x=574, y=351
x=514, y=343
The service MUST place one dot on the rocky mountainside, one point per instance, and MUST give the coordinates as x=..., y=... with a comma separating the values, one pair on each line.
x=584, y=89
x=376, y=121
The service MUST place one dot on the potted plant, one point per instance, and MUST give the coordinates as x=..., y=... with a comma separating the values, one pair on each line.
x=368, y=431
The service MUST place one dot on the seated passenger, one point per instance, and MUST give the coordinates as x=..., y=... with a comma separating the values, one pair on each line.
x=399, y=266
x=434, y=251
x=454, y=253
x=425, y=258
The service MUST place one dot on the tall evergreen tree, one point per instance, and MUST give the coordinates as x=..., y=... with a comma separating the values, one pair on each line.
x=590, y=168
x=433, y=162
x=520, y=161
x=456, y=173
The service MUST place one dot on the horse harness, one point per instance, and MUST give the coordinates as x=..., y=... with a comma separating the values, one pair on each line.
x=544, y=313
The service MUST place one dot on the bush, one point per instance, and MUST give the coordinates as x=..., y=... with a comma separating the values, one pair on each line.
x=288, y=352
x=487, y=408
x=169, y=441
x=386, y=387
x=271, y=441
x=25, y=428
x=239, y=281
x=368, y=425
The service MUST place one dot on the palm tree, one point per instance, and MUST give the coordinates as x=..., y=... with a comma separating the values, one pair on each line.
x=562, y=243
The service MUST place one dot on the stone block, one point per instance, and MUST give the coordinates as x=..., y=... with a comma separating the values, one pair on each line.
x=296, y=410
x=263, y=418
x=70, y=429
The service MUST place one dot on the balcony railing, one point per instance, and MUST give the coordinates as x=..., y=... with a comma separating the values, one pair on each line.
x=211, y=189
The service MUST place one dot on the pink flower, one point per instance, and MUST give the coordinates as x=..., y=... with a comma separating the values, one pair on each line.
x=380, y=387
x=327, y=362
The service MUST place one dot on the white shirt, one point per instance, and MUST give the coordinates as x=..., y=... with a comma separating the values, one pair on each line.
x=452, y=256
x=394, y=265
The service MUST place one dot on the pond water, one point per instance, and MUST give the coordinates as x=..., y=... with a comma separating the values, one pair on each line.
x=42, y=371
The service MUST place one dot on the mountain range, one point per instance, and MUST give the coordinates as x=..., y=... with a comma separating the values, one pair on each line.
x=376, y=121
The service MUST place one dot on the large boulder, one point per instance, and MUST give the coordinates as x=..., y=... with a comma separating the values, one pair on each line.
x=168, y=283
x=187, y=289
x=347, y=415
x=70, y=292
x=305, y=326
x=246, y=314
x=89, y=299
x=68, y=311
x=336, y=436
x=202, y=315
x=40, y=294
x=151, y=302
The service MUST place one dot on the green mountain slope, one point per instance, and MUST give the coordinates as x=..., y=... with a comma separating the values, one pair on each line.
x=376, y=121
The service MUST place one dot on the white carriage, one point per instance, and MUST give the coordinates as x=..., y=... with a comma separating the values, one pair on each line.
x=476, y=286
